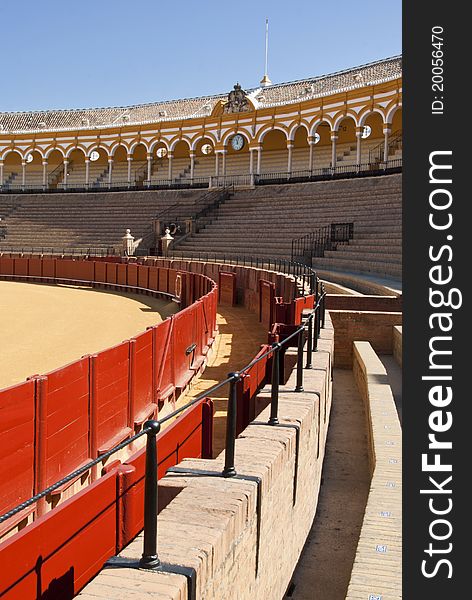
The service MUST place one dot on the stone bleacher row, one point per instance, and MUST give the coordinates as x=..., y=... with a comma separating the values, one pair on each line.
x=96, y=220
x=274, y=161
x=263, y=222
x=259, y=222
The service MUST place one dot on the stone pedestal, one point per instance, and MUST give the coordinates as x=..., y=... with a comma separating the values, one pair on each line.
x=166, y=240
x=128, y=243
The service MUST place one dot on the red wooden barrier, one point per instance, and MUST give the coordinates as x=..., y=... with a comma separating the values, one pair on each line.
x=101, y=271
x=266, y=302
x=133, y=275
x=63, y=421
x=141, y=380
x=6, y=265
x=227, y=288
x=110, y=396
x=35, y=267
x=143, y=276
x=163, y=345
x=17, y=411
x=154, y=279
x=60, y=552
x=21, y=266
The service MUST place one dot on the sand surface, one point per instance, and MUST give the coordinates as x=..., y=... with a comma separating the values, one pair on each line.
x=44, y=327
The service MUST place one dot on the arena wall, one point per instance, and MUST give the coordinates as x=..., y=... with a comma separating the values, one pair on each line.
x=351, y=326
x=377, y=567
x=212, y=524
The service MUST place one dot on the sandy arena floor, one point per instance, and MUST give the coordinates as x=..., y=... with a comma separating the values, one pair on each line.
x=43, y=327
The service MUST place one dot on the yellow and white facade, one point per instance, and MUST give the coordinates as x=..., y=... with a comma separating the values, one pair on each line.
x=340, y=121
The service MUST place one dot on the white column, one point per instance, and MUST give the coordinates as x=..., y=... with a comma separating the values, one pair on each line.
x=130, y=160
x=1, y=174
x=87, y=171
x=192, y=163
x=170, y=156
x=259, y=159
x=386, y=131
x=334, y=137
x=110, y=171
x=45, y=174
x=66, y=168
x=289, y=157
x=217, y=164
x=149, y=168
x=23, y=174
x=251, y=161
x=223, y=169
x=311, y=144
x=359, y=131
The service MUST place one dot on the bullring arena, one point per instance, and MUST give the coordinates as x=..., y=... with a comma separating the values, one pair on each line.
x=201, y=307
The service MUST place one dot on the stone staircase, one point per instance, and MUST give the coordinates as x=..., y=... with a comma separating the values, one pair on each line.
x=263, y=222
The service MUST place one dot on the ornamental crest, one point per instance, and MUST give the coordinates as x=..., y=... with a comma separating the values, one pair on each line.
x=237, y=101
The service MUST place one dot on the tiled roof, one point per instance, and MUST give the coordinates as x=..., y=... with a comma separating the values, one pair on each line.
x=273, y=95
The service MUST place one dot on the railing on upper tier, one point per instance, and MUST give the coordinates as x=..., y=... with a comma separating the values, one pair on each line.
x=316, y=243
x=369, y=169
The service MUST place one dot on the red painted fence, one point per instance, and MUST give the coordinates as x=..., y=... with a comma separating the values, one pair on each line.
x=53, y=424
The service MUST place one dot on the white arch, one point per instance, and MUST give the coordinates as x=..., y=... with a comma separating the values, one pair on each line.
x=137, y=143
x=163, y=141
x=317, y=123
x=340, y=118
x=38, y=150
x=180, y=139
x=370, y=112
x=232, y=132
x=10, y=151
x=72, y=148
x=261, y=136
x=199, y=137
x=97, y=148
x=114, y=148
x=293, y=129
x=58, y=148
x=392, y=111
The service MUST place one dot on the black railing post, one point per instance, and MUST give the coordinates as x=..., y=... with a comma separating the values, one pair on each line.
x=299, y=386
x=229, y=468
x=323, y=308
x=274, y=384
x=309, y=343
x=150, y=559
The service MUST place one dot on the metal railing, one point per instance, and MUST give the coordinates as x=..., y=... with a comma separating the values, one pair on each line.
x=302, y=273
x=376, y=154
x=375, y=167
x=150, y=558
x=316, y=243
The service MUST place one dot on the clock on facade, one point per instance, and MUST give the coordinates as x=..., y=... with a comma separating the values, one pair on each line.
x=237, y=142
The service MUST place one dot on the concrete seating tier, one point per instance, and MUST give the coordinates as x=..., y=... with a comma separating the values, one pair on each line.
x=85, y=220
x=263, y=221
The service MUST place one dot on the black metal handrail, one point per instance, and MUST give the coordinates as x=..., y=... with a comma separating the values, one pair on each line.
x=316, y=243
x=151, y=428
x=375, y=167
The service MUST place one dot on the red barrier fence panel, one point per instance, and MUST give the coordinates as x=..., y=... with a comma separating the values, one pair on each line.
x=21, y=266
x=110, y=397
x=35, y=268
x=60, y=552
x=17, y=425
x=184, y=337
x=163, y=352
x=143, y=276
x=65, y=269
x=6, y=265
x=84, y=270
x=121, y=274
x=163, y=285
x=133, y=275
x=49, y=267
x=266, y=302
x=100, y=272
x=227, y=288
x=111, y=272
x=154, y=278
x=299, y=305
x=63, y=423
x=141, y=380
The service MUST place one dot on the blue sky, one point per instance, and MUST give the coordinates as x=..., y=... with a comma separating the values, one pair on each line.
x=86, y=53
